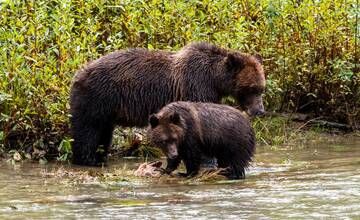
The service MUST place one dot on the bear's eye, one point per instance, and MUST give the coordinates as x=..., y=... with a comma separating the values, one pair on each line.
x=167, y=142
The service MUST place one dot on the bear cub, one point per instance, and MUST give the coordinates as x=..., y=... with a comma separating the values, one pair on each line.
x=187, y=130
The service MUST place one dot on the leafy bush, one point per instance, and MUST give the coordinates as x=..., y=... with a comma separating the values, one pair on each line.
x=310, y=49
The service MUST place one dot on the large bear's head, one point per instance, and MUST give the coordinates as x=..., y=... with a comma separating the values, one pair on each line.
x=248, y=84
x=166, y=131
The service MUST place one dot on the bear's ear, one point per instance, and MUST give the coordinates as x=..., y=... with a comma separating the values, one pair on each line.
x=259, y=58
x=175, y=118
x=234, y=63
x=154, y=121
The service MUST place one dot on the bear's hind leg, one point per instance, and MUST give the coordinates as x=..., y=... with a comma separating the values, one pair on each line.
x=232, y=170
x=236, y=172
x=85, y=145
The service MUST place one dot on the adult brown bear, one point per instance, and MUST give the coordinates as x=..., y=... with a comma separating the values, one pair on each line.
x=185, y=131
x=126, y=86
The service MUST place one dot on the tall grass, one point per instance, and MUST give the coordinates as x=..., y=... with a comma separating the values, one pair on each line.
x=311, y=51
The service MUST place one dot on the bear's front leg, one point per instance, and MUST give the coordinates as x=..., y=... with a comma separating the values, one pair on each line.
x=172, y=164
x=192, y=166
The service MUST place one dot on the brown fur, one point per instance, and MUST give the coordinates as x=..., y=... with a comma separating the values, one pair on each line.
x=208, y=129
x=125, y=87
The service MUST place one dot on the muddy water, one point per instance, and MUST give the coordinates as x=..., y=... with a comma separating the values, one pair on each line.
x=319, y=179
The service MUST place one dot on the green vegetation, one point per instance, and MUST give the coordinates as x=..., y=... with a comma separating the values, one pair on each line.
x=311, y=51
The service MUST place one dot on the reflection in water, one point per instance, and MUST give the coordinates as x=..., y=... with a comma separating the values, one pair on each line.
x=319, y=179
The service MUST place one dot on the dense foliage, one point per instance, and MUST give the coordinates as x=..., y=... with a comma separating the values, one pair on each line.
x=311, y=51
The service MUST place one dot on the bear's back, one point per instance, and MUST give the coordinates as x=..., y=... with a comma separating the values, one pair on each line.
x=223, y=121
x=213, y=118
x=216, y=126
x=128, y=63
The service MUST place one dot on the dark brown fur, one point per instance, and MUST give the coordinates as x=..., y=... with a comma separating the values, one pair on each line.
x=208, y=129
x=125, y=87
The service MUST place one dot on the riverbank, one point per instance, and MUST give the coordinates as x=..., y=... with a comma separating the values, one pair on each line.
x=270, y=131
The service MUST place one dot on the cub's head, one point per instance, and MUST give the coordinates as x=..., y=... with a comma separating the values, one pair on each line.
x=249, y=81
x=166, y=132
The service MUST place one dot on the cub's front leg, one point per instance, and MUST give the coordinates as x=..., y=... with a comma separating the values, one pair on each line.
x=192, y=165
x=172, y=164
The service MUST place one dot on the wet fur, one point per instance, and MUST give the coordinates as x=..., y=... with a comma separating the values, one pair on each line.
x=207, y=129
x=125, y=87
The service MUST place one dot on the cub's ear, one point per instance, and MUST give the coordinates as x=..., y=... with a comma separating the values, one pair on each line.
x=154, y=121
x=175, y=118
x=259, y=58
x=234, y=63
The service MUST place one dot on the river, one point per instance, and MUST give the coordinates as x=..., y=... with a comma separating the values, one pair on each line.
x=316, y=179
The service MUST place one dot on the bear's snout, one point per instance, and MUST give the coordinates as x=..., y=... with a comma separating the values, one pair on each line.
x=257, y=107
x=172, y=151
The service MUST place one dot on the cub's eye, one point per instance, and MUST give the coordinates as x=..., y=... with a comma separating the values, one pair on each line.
x=163, y=142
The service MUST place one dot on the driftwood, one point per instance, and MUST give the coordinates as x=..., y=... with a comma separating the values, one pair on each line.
x=311, y=121
x=290, y=116
x=329, y=124
x=151, y=169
